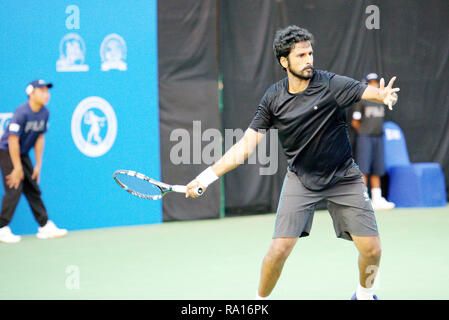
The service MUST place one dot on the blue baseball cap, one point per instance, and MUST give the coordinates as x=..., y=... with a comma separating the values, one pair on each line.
x=37, y=84
x=371, y=76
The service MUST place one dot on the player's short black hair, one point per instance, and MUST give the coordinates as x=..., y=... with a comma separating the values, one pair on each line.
x=287, y=37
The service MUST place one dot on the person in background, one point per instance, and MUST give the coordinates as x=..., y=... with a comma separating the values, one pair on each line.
x=367, y=120
x=25, y=131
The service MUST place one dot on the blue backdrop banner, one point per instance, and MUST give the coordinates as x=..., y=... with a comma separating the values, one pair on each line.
x=102, y=60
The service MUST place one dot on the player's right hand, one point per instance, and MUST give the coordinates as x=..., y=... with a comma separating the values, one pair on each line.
x=191, y=187
x=14, y=178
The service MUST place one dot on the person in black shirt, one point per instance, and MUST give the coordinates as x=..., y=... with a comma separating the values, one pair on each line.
x=367, y=120
x=308, y=110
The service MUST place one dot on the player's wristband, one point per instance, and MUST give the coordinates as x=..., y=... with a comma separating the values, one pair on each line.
x=207, y=177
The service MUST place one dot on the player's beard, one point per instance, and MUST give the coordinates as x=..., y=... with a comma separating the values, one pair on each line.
x=303, y=74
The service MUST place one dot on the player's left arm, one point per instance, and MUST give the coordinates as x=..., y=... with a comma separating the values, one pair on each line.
x=38, y=151
x=386, y=95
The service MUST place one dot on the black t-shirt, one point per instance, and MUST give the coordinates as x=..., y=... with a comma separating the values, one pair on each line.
x=371, y=116
x=312, y=126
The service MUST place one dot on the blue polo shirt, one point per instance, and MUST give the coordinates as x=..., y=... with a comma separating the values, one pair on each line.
x=27, y=125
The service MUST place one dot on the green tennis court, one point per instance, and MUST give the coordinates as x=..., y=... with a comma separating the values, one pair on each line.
x=221, y=259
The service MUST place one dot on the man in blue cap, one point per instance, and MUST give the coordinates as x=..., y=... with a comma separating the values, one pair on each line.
x=25, y=131
x=367, y=120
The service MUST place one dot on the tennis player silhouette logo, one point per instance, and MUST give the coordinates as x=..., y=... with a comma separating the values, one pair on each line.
x=95, y=122
x=71, y=54
x=94, y=126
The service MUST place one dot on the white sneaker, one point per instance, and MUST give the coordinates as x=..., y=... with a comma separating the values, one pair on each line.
x=7, y=236
x=50, y=231
x=382, y=204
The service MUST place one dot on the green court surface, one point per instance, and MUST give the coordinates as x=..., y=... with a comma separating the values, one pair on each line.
x=221, y=259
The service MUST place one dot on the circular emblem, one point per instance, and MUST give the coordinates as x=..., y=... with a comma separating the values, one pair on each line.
x=94, y=126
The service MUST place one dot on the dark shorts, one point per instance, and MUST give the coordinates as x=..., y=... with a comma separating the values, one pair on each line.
x=369, y=154
x=347, y=201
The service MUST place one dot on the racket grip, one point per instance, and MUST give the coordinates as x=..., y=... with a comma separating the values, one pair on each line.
x=199, y=191
x=183, y=189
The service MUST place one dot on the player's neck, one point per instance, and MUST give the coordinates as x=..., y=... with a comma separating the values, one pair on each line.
x=35, y=107
x=297, y=85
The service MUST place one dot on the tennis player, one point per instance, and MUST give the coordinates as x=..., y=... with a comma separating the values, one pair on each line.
x=307, y=108
x=25, y=131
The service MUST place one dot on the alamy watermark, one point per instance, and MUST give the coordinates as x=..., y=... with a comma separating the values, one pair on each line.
x=72, y=22
x=190, y=149
x=72, y=282
x=373, y=20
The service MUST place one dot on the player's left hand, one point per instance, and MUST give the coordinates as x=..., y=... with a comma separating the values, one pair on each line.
x=36, y=174
x=388, y=93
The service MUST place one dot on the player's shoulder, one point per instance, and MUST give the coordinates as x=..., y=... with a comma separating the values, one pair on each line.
x=277, y=87
x=275, y=90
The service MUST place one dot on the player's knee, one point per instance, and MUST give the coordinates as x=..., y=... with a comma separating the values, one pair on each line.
x=280, y=251
x=373, y=252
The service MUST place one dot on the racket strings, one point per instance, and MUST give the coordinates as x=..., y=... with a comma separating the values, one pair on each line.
x=138, y=185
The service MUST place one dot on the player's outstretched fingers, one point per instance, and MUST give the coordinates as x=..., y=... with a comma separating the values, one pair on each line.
x=382, y=84
x=392, y=80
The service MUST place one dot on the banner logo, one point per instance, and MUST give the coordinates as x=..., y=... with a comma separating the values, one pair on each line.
x=5, y=118
x=94, y=126
x=71, y=54
x=113, y=53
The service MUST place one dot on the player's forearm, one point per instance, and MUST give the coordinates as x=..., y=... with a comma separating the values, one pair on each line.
x=234, y=157
x=39, y=150
x=14, y=152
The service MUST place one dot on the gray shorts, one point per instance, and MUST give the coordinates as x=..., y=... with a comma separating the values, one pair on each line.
x=347, y=201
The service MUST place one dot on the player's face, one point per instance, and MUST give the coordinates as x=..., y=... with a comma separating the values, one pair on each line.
x=300, y=60
x=41, y=96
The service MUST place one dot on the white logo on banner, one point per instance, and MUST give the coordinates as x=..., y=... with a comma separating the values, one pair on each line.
x=392, y=134
x=5, y=118
x=71, y=54
x=113, y=53
x=94, y=126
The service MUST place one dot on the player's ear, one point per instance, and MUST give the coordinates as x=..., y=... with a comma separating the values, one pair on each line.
x=284, y=62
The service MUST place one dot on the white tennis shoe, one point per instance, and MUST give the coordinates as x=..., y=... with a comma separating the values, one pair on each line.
x=7, y=236
x=382, y=204
x=50, y=231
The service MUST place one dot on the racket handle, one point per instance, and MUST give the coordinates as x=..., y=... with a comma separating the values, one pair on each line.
x=183, y=189
x=199, y=191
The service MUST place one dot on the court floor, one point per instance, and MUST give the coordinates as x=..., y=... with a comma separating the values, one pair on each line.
x=221, y=259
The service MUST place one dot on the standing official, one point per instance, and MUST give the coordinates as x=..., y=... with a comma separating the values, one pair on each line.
x=25, y=131
x=368, y=120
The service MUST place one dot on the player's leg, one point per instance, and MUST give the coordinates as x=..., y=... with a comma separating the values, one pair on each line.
x=369, y=259
x=353, y=217
x=273, y=263
x=293, y=220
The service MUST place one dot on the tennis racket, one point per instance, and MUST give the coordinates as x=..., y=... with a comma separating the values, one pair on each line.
x=144, y=187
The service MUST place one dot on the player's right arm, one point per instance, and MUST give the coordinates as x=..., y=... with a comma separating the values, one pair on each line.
x=234, y=157
x=14, y=178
